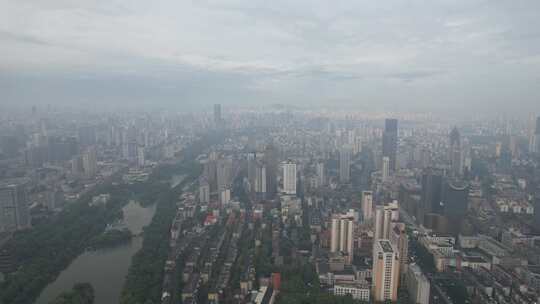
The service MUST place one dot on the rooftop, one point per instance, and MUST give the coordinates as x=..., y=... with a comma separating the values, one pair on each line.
x=386, y=247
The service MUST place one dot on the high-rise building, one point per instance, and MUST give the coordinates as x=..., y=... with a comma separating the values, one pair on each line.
x=141, y=159
x=334, y=234
x=455, y=202
x=390, y=141
x=289, y=177
x=531, y=130
x=210, y=171
x=418, y=285
x=384, y=216
x=14, y=213
x=321, y=179
x=204, y=190
x=342, y=236
x=271, y=156
x=367, y=205
x=77, y=168
x=455, y=153
x=260, y=178
x=90, y=163
x=385, y=271
x=379, y=223
x=251, y=171
x=400, y=240
x=432, y=182
x=357, y=147
x=217, y=115
x=223, y=173
x=345, y=164
x=225, y=196
x=385, y=168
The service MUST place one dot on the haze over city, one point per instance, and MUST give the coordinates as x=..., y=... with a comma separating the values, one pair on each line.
x=269, y=152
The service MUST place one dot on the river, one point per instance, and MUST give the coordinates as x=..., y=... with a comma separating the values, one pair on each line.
x=105, y=269
x=177, y=179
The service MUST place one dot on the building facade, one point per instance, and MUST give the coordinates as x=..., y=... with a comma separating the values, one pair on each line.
x=289, y=177
x=14, y=213
x=385, y=271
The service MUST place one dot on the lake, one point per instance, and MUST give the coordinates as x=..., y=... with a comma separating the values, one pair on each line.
x=105, y=269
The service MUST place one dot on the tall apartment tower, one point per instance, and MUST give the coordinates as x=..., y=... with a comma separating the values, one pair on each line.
x=14, y=213
x=367, y=205
x=400, y=240
x=223, y=173
x=260, y=179
x=383, y=222
x=342, y=236
x=90, y=163
x=321, y=179
x=385, y=168
x=204, y=190
x=345, y=164
x=418, y=285
x=385, y=271
x=289, y=177
x=390, y=140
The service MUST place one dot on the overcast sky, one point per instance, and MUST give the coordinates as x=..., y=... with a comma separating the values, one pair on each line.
x=361, y=53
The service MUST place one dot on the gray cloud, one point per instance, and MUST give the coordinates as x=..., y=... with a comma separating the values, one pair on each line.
x=8, y=37
x=397, y=52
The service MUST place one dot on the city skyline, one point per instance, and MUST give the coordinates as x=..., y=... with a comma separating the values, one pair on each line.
x=269, y=152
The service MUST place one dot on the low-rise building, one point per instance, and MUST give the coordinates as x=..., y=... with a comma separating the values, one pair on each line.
x=358, y=291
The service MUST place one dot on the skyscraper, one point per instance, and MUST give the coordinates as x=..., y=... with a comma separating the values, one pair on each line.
x=432, y=181
x=385, y=271
x=455, y=202
x=14, y=205
x=217, y=115
x=289, y=177
x=345, y=164
x=455, y=153
x=271, y=156
x=390, y=138
x=367, y=205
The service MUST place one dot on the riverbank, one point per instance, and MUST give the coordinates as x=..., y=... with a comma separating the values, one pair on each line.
x=106, y=268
